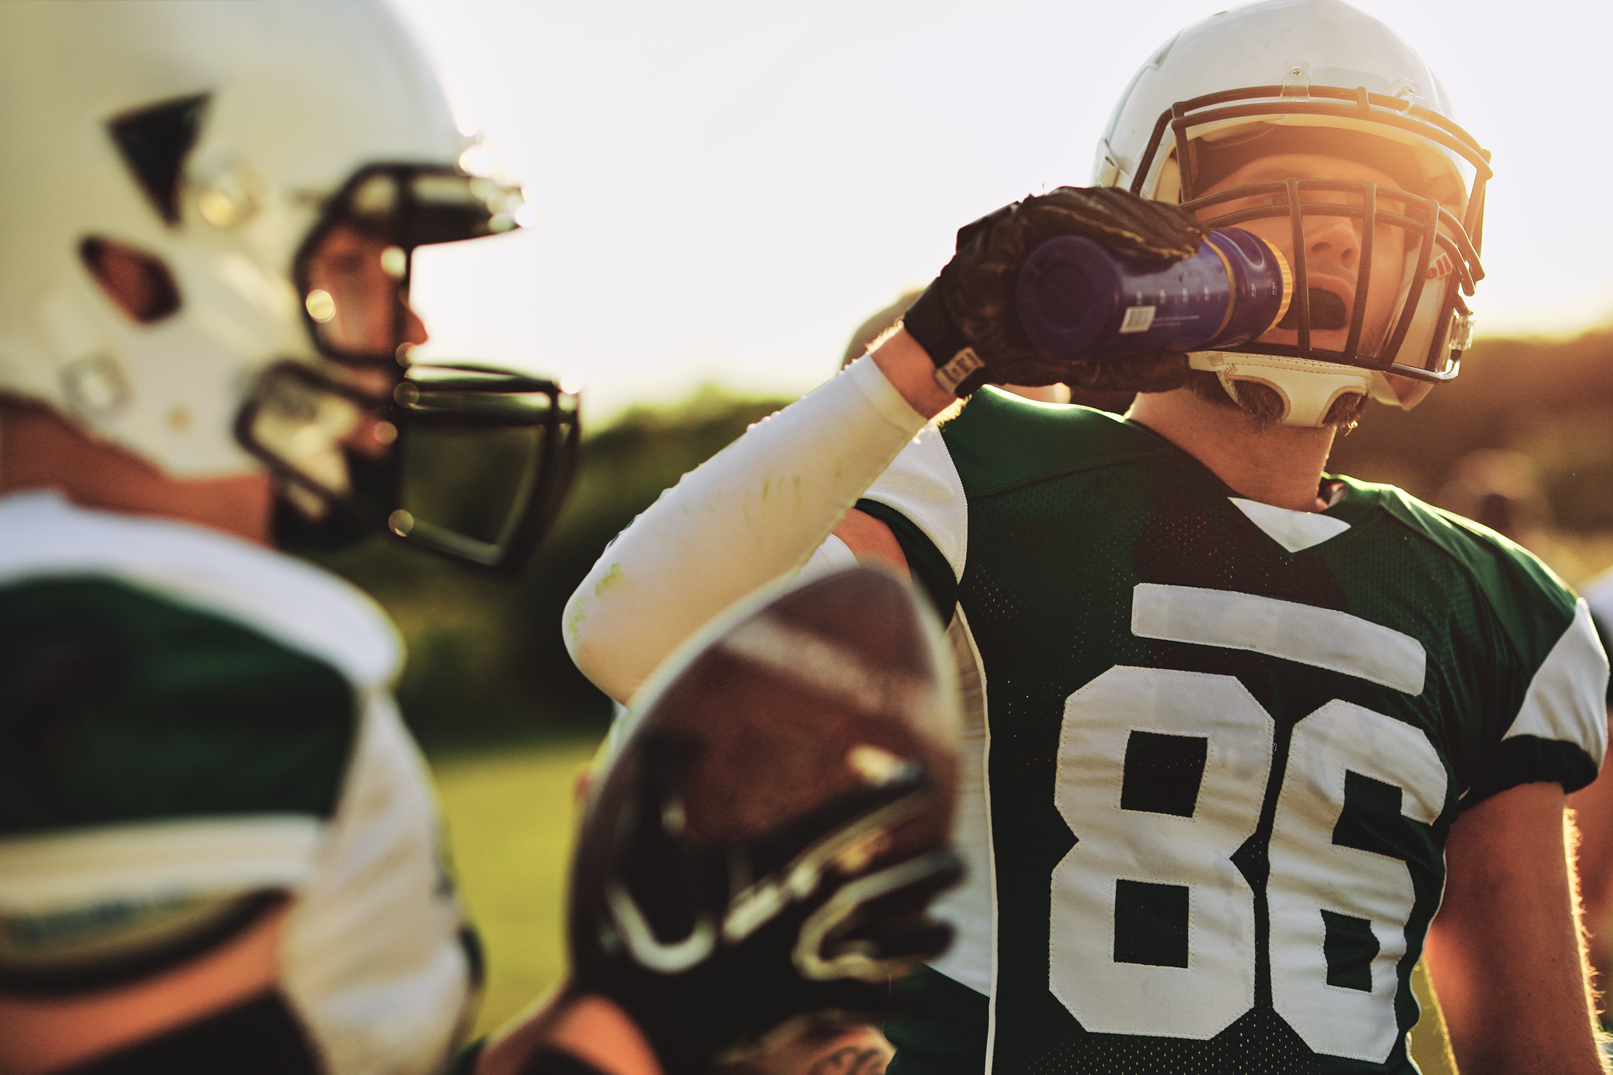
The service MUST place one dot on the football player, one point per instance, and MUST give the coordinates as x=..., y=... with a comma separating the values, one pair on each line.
x=760, y=856
x=1234, y=724
x=218, y=846
x=214, y=828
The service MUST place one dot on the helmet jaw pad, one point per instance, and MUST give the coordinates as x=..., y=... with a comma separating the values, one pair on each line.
x=1307, y=387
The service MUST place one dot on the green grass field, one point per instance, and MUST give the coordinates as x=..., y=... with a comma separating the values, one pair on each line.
x=510, y=814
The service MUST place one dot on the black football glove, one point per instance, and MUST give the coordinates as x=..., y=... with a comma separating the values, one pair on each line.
x=966, y=320
x=708, y=949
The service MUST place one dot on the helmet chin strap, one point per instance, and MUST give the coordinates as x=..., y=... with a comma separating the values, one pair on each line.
x=1307, y=387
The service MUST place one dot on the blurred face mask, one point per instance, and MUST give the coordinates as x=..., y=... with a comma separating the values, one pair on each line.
x=462, y=458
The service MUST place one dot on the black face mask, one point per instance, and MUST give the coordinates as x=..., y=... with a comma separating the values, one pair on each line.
x=464, y=459
x=1441, y=265
x=1426, y=242
x=474, y=464
x=294, y=530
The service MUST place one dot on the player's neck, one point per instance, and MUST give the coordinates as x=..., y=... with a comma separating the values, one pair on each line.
x=40, y=450
x=1279, y=465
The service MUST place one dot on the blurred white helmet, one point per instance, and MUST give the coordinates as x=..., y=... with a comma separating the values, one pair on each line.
x=1316, y=77
x=168, y=172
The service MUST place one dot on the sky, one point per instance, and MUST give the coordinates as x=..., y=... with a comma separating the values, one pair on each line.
x=725, y=189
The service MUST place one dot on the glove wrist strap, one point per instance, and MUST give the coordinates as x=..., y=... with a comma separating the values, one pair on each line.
x=956, y=362
x=957, y=371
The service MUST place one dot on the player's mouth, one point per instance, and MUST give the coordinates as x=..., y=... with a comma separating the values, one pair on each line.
x=1332, y=303
x=1330, y=311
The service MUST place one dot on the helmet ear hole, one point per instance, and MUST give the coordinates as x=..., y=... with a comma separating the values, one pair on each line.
x=138, y=283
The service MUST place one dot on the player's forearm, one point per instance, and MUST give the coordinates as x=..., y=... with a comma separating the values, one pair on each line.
x=753, y=512
x=911, y=372
x=1593, y=814
x=1504, y=950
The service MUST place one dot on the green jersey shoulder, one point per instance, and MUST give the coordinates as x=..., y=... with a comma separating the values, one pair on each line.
x=1008, y=461
x=150, y=670
x=197, y=729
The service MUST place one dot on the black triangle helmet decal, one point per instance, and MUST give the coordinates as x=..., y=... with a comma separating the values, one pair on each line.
x=154, y=142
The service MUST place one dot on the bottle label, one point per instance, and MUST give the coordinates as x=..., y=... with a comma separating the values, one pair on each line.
x=1137, y=319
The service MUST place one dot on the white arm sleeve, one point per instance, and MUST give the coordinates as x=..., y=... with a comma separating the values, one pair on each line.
x=751, y=513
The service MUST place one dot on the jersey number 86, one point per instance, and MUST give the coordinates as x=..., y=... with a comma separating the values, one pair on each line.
x=1151, y=891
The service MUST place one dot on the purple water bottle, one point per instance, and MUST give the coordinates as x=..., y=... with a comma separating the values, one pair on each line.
x=1078, y=300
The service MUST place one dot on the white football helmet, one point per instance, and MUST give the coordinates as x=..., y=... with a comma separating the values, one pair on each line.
x=212, y=150
x=1317, y=77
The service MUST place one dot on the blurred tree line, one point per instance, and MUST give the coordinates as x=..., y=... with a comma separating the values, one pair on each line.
x=1550, y=400
x=486, y=661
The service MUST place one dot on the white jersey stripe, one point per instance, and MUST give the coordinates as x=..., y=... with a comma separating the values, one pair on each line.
x=1567, y=698
x=971, y=960
x=156, y=860
x=43, y=536
x=1322, y=637
x=923, y=484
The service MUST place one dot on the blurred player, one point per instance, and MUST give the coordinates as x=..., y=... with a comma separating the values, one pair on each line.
x=218, y=846
x=215, y=833
x=1232, y=725
x=760, y=856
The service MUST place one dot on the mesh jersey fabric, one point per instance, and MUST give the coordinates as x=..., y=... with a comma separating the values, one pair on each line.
x=190, y=720
x=1224, y=748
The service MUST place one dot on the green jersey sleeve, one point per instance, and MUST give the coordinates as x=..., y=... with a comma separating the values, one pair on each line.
x=1528, y=648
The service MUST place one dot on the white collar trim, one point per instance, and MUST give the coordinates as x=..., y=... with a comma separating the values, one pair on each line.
x=1293, y=530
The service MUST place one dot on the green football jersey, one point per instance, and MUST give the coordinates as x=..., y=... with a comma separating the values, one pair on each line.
x=195, y=727
x=1222, y=743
